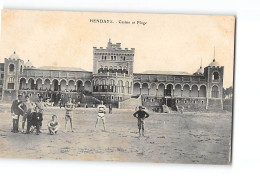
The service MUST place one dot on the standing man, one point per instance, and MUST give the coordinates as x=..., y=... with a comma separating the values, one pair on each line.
x=101, y=114
x=141, y=115
x=69, y=106
x=110, y=108
x=28, y=107
x=17, y=110
x=40, y=107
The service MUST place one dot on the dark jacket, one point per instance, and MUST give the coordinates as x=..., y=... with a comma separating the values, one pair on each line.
x=141, y=114
x=15, y=109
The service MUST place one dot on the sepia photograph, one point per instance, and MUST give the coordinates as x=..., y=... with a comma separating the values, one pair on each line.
x=125, y=87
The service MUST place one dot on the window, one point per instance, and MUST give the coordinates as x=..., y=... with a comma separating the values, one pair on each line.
x=113, y=57
x=30, y=94
x=11, y=80
x=194, y=101
x=215, y=76
x=185, y=101
x=152, y=100
x=62, y=96
x=202, y=102
x=177, y=101
x=11, y=68
x=2, y=75
x=10, y=85
x=144, y=99
x=112, y=97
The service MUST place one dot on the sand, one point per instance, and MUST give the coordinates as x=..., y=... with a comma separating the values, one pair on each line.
x=200, y=137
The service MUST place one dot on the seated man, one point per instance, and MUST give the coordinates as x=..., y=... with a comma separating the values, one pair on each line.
x=33, y=121
x=53, y=125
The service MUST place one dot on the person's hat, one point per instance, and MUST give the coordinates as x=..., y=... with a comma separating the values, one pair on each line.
x=40, y=96
x=27, y=96
x=141, y=107
x=19, y=95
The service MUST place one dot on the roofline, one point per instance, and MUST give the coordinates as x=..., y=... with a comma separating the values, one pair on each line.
x=56, y=70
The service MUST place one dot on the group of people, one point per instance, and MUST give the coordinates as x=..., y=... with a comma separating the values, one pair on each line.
x=32, y=113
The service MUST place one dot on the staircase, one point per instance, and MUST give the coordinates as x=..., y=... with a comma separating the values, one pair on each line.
x=89, y=100
x=131, y=103
x=214, y=104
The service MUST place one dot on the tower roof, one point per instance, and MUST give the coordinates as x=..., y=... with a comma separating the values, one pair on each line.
x=200, y=71
x=28, y=64
x=14, y=56
x=214, y=63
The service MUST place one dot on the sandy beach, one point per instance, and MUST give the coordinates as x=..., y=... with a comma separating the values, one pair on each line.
x=200, y=137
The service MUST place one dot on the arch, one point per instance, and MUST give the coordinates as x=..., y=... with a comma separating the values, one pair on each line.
x=127, y=87
x=71, y=85
x=177, y=90
x=169, y=89
x=186, y=90
x=202, y=91
x=63, y=85
x=87, y=85
x=55, y=85
x=120, y=86
x=31, y=84
x=194, y=91
x=39, y=84
x=21, y=69
x=11, y=68
x=215, y=76
x=161, y=89
x=111, y=87
x=120, y=70
x=105, y=69
x=152, y=90
x=215, y=92
x=125, y=70
x=22, y=85
x=79, y=85
x=110, y=70
x=136, y=90
x=47, y=84
x=145, y=89
x=103, y=85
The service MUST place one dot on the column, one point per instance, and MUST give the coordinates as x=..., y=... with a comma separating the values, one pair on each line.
x=198, y=92
x=190, y=93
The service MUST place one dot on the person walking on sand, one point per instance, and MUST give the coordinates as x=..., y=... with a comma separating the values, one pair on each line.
x=101, y=115
x=17, y=110
x=69, y=106
x=141, y=115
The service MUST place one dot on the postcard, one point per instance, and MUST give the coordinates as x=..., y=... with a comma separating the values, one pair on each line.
x=128, y=87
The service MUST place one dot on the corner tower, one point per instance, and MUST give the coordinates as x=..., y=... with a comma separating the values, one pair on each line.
x=13, y=68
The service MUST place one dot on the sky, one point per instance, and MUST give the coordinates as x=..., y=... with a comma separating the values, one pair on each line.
x=162, y=42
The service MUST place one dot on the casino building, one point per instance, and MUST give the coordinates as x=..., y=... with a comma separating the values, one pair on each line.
x=114, y=82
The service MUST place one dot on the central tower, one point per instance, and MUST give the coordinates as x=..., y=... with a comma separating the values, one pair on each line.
x=113, y=73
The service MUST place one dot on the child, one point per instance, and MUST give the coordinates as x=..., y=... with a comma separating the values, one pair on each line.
x=69, y=106
x=141, y=115
x=53, y=125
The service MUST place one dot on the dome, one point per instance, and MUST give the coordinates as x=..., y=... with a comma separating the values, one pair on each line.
x=214, y=63
x=28, y=64
x=200, y=71
x=14, y=56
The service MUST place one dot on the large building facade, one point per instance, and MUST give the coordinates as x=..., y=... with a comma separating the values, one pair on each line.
x=114, y=82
